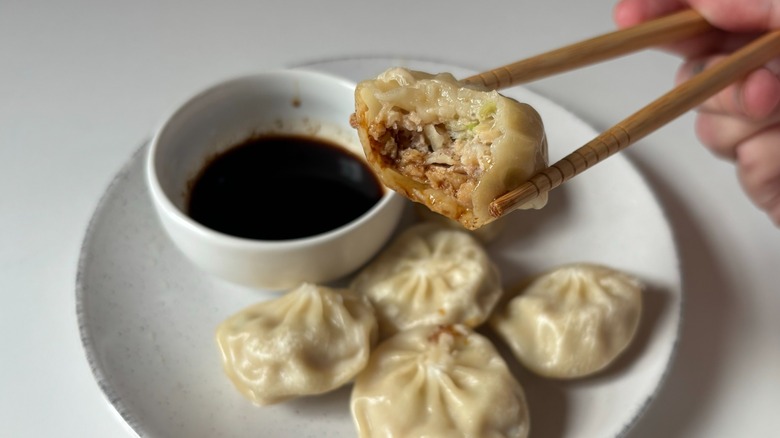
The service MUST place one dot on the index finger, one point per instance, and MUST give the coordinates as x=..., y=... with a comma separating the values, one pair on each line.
x=740, y=16
x=632, y=12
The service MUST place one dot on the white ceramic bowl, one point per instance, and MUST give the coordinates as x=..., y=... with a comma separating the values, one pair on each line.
x=284, y=101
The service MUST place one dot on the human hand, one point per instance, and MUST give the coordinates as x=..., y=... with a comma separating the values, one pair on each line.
x=742, y=122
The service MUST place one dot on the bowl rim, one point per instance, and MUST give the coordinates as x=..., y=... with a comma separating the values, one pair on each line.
x=165, y=205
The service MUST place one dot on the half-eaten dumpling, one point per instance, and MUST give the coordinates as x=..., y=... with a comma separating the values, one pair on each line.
x=309, y=341
x=486, y=234
x=430, y=274
x=571, y=321
x=450, y=146
x=438, y=381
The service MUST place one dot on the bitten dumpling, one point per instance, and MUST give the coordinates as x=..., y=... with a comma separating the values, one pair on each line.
x=438, y=381
x=571, y=321
x=446, y=144
x=309, y=341
x=430, y=274
x=486, y=234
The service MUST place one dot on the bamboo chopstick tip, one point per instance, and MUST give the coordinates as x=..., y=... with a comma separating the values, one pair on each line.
x=514, y=199
x=495, y=210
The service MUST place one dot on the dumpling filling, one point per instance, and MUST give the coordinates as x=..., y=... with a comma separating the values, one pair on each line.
x=448, y=146
x=449, y=155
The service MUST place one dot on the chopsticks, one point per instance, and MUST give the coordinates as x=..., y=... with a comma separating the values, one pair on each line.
x=658, y=113
x=662, y=30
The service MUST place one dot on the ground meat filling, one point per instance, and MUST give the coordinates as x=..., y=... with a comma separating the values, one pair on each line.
x=445, y=158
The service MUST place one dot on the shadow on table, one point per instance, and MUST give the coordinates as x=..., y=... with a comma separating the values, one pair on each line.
x=692, y=380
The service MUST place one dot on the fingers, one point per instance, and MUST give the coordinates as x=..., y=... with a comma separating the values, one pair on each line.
x=742, y=122
x=755, y=97
x=758, y=169
x=729, y=15
x=755, y=148
x=741, y=16
x=738, y=112
x=632, y=12
x=722, y=134
x=709, y=43
x=746, y=17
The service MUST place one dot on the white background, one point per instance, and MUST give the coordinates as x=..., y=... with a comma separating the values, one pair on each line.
x=83, y=83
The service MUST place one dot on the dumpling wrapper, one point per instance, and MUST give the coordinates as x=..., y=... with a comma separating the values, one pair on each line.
x=430, y=274
x=309, y=341
x=449, y=146
x=486, y=234
x=572, y=321
x=438, y=381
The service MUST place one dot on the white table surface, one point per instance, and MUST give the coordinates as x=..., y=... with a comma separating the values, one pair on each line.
x=83, y=83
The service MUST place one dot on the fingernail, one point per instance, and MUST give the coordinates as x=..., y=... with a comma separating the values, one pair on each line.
x=774, y=66
x=697, y=68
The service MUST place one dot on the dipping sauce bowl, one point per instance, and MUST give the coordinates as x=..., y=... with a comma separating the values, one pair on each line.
x=286, y=197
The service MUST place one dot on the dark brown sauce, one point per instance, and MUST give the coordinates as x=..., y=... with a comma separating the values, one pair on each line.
x=282, y=187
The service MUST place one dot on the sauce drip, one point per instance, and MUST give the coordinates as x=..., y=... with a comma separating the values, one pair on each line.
x=280, y=187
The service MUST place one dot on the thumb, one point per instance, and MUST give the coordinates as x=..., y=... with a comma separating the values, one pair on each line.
x=740, y=15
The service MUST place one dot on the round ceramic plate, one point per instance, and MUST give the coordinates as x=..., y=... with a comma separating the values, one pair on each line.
x=147, y=316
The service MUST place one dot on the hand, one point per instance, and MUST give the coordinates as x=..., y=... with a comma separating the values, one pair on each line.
x=742, y=122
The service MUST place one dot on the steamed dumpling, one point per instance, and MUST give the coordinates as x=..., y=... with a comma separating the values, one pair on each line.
x=430, y=274
x=446, y=144
x=571, y=321
x=309, y=341
x=438, y=381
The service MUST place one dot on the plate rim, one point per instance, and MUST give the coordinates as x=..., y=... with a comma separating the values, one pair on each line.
x=130, y=424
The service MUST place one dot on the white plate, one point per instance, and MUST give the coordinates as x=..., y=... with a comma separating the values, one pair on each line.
x=147, y=317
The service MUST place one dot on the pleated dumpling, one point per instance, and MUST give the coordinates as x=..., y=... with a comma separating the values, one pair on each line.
x=571, y=321
x=309, y=341
x=448, y=145
x=430, y=274
x=438, y=381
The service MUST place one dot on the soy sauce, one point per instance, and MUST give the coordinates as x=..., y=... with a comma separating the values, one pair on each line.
x=281, y=187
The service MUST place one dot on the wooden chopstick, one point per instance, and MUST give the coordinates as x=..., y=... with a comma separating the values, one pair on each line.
x=670, y=28
x=671, y=105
